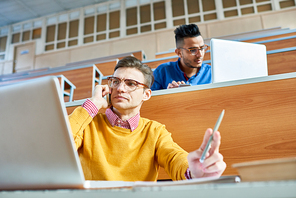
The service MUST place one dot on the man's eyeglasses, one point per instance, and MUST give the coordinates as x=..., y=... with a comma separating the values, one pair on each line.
x=130, y=84
x=194, y=51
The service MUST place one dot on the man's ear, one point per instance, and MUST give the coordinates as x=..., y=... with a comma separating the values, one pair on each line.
x=178, y=52
x=147, y=94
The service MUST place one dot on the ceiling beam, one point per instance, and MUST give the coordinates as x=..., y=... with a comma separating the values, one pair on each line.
x=27, y=7
x=61, y=5
x=5, y=18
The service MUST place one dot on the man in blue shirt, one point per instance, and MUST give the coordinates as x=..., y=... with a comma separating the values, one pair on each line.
x=189, y=69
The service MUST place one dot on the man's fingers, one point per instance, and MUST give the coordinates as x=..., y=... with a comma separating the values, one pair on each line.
x=101, y=90
x=106, y=90
x=215, y=157
x=216, y=142
x=206, y=138
x=214, y=164
x=174, y=84
x=194, y=155
x=170, y=86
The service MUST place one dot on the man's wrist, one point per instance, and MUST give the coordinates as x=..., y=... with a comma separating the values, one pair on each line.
x=188, y=174
x=90, y=107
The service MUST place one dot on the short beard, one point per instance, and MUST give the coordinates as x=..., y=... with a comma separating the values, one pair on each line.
x=190, y=66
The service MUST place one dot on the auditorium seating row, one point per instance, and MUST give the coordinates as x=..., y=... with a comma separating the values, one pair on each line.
x=80, y=76
x=286, y=39
x=254, y=36
x=84, y=75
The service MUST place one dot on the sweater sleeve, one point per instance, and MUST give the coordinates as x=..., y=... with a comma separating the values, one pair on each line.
x=79, y=119
x=171, y=156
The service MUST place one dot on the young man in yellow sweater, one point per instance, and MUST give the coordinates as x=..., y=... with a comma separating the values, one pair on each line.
x=121, y=145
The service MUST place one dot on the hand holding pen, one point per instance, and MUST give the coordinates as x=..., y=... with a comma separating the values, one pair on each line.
x=207, y=161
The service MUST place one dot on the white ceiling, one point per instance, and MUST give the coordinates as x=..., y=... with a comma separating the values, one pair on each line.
x=14, y=11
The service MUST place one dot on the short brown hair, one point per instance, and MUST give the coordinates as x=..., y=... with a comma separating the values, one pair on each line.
x=133, y=62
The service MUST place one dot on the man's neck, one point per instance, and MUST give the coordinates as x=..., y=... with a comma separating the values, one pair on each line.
x=125, y=114
x=188, y=70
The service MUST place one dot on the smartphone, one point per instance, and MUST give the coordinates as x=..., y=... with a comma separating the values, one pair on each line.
x=108, y=98
x=184, y=85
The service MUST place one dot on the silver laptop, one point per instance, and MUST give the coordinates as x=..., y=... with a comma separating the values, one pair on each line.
x=233, y=60
x=36, y=149
x=36, y=144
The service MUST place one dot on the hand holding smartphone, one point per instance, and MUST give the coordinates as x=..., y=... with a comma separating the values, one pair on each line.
x=184, y=85
x=108, y=98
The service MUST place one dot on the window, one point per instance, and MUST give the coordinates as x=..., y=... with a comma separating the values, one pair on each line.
x=26, y=35
x=3, y=41
x=61, y=31
x=287, y=3
x=50, y=33
x=193, y=11
x=131, y=16
x=178, y=8
x=193, y=6
x=144, y=16
x=89, y=25
x=25, y=32
x=234, y=8
x=16, y=38
x=73, y=33
x=159, y=15
x=101, y=23
x=114, y=20
x=36, y=33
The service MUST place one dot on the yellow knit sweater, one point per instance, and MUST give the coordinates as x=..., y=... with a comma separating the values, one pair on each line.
x=115, y=153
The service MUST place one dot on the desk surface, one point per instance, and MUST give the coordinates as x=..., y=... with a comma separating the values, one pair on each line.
x=269, y=189
x=208, y=86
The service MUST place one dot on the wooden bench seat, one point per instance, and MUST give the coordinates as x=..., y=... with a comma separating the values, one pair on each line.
x=269, y=37
x=251, y=34
x=281, y=61
x=82, y=78
x=280, y=43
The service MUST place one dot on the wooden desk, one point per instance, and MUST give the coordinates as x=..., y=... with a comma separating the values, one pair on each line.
x=259, y=121
x=281, y=189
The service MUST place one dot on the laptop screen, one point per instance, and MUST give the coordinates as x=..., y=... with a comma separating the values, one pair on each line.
x=233, y=60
